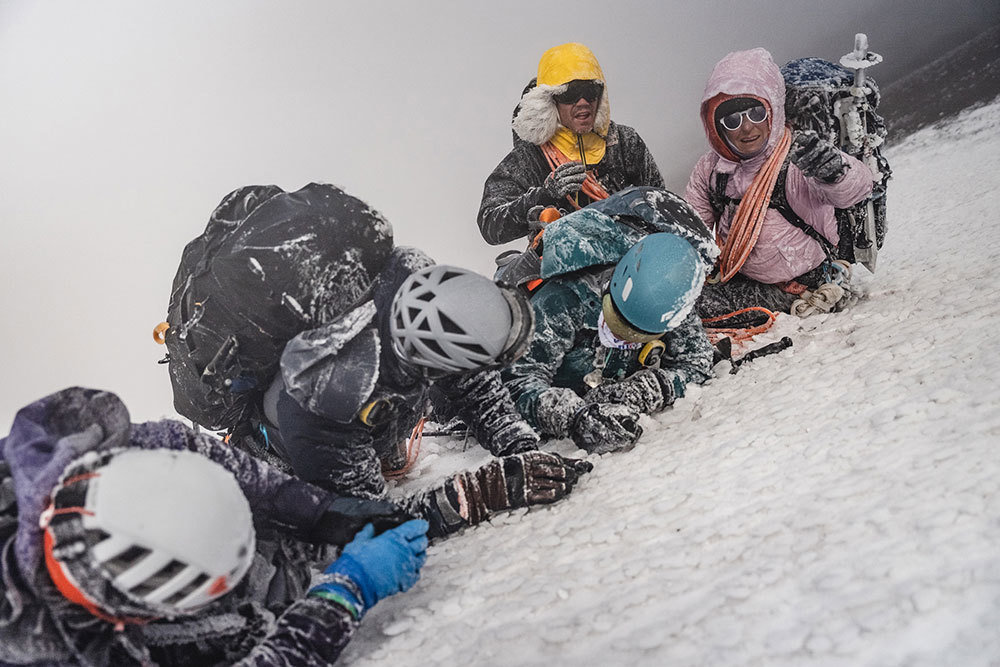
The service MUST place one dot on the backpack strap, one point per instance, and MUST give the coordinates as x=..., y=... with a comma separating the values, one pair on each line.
x=719, y=200
x=717, y=196
x=779, y=202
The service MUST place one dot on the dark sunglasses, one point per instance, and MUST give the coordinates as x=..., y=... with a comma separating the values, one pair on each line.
x=578, y=88
x=733, y=121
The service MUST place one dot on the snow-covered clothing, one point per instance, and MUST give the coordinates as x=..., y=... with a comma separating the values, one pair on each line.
x=783, y=252
x=615, y=154
x=39, y=626
x=580, y=253
x=331, y=374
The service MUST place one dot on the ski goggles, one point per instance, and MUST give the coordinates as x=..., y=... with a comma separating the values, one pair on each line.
x=620, y=327
x=589, y=90
x=732, y=121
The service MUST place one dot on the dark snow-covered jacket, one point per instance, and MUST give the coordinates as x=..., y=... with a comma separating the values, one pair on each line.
x=580, y=253
x=331, y=373
x=783, y=251
x=39, y=626
x=515, y=186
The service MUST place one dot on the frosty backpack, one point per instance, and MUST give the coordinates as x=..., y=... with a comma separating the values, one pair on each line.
x=269, y=265
x=847, y=118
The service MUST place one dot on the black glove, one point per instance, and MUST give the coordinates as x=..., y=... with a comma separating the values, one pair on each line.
x=345, y=516
x=817, y=157
x=606, y=427
x=646, y=391
x=566, y=179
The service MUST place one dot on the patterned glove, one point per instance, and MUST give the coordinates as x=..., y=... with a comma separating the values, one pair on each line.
x=522, y=480
x=606, y=427
x=817, y=157
x=372, y=568
x=646, y=391
x=557, y=406
x=566, y=179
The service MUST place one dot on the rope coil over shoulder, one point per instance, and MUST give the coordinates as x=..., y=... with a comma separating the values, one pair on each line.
x=749, y=216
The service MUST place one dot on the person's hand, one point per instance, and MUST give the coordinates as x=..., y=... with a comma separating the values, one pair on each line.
x=606, y=427
x=816, y=157
x=372, y=568
x=532, y=478
x=566, y=179
x=557, y=406
x=345, y=516
x=646, y=391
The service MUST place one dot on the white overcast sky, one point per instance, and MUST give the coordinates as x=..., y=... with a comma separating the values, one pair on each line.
x=122, y=124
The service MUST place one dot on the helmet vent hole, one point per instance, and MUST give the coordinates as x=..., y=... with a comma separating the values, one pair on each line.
x=74, y=495
x=166, y=573
x=413, y=313
x=187, y=590
x=448, y=275
x=449, y=325
x=433, y=345
x=474, y=348
x=126, y=559
x=425, y=297
x=95, y=536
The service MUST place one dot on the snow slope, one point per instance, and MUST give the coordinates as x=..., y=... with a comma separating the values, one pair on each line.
x=838, y=504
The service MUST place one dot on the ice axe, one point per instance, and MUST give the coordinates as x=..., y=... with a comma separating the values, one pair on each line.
x=854, y=130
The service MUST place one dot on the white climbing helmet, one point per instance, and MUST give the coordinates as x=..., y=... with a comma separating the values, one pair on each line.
x=450, y=320
x=134, y=535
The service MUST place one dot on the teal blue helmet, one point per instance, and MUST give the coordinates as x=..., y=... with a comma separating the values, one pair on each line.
x=653, y=288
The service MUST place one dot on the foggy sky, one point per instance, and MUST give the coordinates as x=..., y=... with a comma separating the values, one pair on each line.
x=122, y=125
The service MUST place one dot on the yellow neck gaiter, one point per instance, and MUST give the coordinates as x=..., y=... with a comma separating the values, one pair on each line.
x=566, y=141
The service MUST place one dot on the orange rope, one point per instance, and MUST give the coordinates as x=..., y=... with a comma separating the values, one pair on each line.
x=412, y=452
x=738, y=334
x=749, y=216
x=591, y=187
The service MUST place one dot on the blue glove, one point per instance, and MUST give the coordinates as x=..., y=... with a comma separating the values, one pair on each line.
x=372, y=568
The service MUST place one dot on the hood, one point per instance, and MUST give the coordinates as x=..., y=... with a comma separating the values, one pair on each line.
x=537, y=118
x=47, y=436
x=583, y=239
x=750, y=73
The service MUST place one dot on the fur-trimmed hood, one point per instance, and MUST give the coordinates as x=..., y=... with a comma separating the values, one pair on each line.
x=537, y=118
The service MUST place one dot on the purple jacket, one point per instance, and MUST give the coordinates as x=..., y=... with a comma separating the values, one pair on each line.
x=38, y=626
x=783, y=251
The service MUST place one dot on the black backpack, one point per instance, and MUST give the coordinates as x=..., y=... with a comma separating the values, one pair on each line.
x=851, y=123
x=848, y=122
x=269, y=265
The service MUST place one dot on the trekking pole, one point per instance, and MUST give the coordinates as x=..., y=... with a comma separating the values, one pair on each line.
x=854, y=123
x=771, y=348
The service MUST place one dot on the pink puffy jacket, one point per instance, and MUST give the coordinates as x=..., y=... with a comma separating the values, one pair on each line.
x=783, y=251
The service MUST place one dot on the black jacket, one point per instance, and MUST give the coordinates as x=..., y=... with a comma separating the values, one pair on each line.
x=515, y=186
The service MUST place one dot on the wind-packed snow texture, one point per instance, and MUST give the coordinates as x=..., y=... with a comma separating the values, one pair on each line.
x=837, y=504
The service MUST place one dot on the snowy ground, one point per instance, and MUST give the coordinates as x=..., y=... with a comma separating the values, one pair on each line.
x=838, y=504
